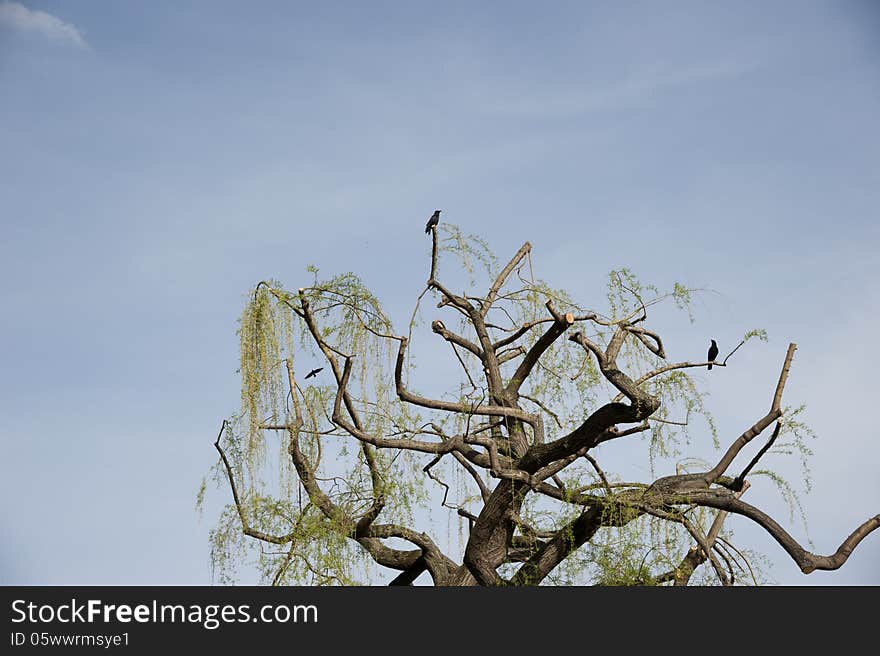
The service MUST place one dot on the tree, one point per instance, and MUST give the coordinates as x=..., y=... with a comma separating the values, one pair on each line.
x=510, y=447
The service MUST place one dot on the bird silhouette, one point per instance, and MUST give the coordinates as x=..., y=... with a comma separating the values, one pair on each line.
x=314, y=372
x=713, y=353
x=433, y=221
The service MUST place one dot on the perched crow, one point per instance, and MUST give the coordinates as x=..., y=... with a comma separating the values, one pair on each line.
x=433, y=221
x=713, y=353
x=314, y=372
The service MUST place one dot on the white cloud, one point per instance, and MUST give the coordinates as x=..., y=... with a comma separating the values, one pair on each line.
x=19, y=17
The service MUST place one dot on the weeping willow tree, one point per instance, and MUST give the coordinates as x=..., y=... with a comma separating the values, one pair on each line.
x=494, y=477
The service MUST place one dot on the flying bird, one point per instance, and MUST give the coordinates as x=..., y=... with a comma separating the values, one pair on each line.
x=433, y=221
x=314, y=372
x=713, y=353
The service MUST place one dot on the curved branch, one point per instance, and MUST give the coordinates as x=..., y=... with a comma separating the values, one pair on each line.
x=642, y=334
x=805, y=560
x=522, y=330
x=589, y=345
x=695, y=556
x=245, y=525
x=437, y=563
x=384, y=442
x=438, y=327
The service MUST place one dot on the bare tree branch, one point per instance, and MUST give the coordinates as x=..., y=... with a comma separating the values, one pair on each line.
x=760, y=425
x=642, y=334
x=739, y=481
x=806, y=561
x=696, y=556
x=510, y=354
x=438, y=327
x=502, y=277
x=410, y=574
x=560, y=324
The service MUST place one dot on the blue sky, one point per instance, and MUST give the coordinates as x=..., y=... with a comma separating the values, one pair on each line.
x=159, y=158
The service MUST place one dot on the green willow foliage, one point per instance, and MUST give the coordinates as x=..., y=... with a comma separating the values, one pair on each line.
x=565, y=387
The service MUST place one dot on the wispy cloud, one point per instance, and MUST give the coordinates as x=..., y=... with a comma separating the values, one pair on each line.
x=555, y=103
x=19, y=17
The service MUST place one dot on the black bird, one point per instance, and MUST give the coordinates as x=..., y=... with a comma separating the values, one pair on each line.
x=713, y=353
x=433, y=221
x=314, y=372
